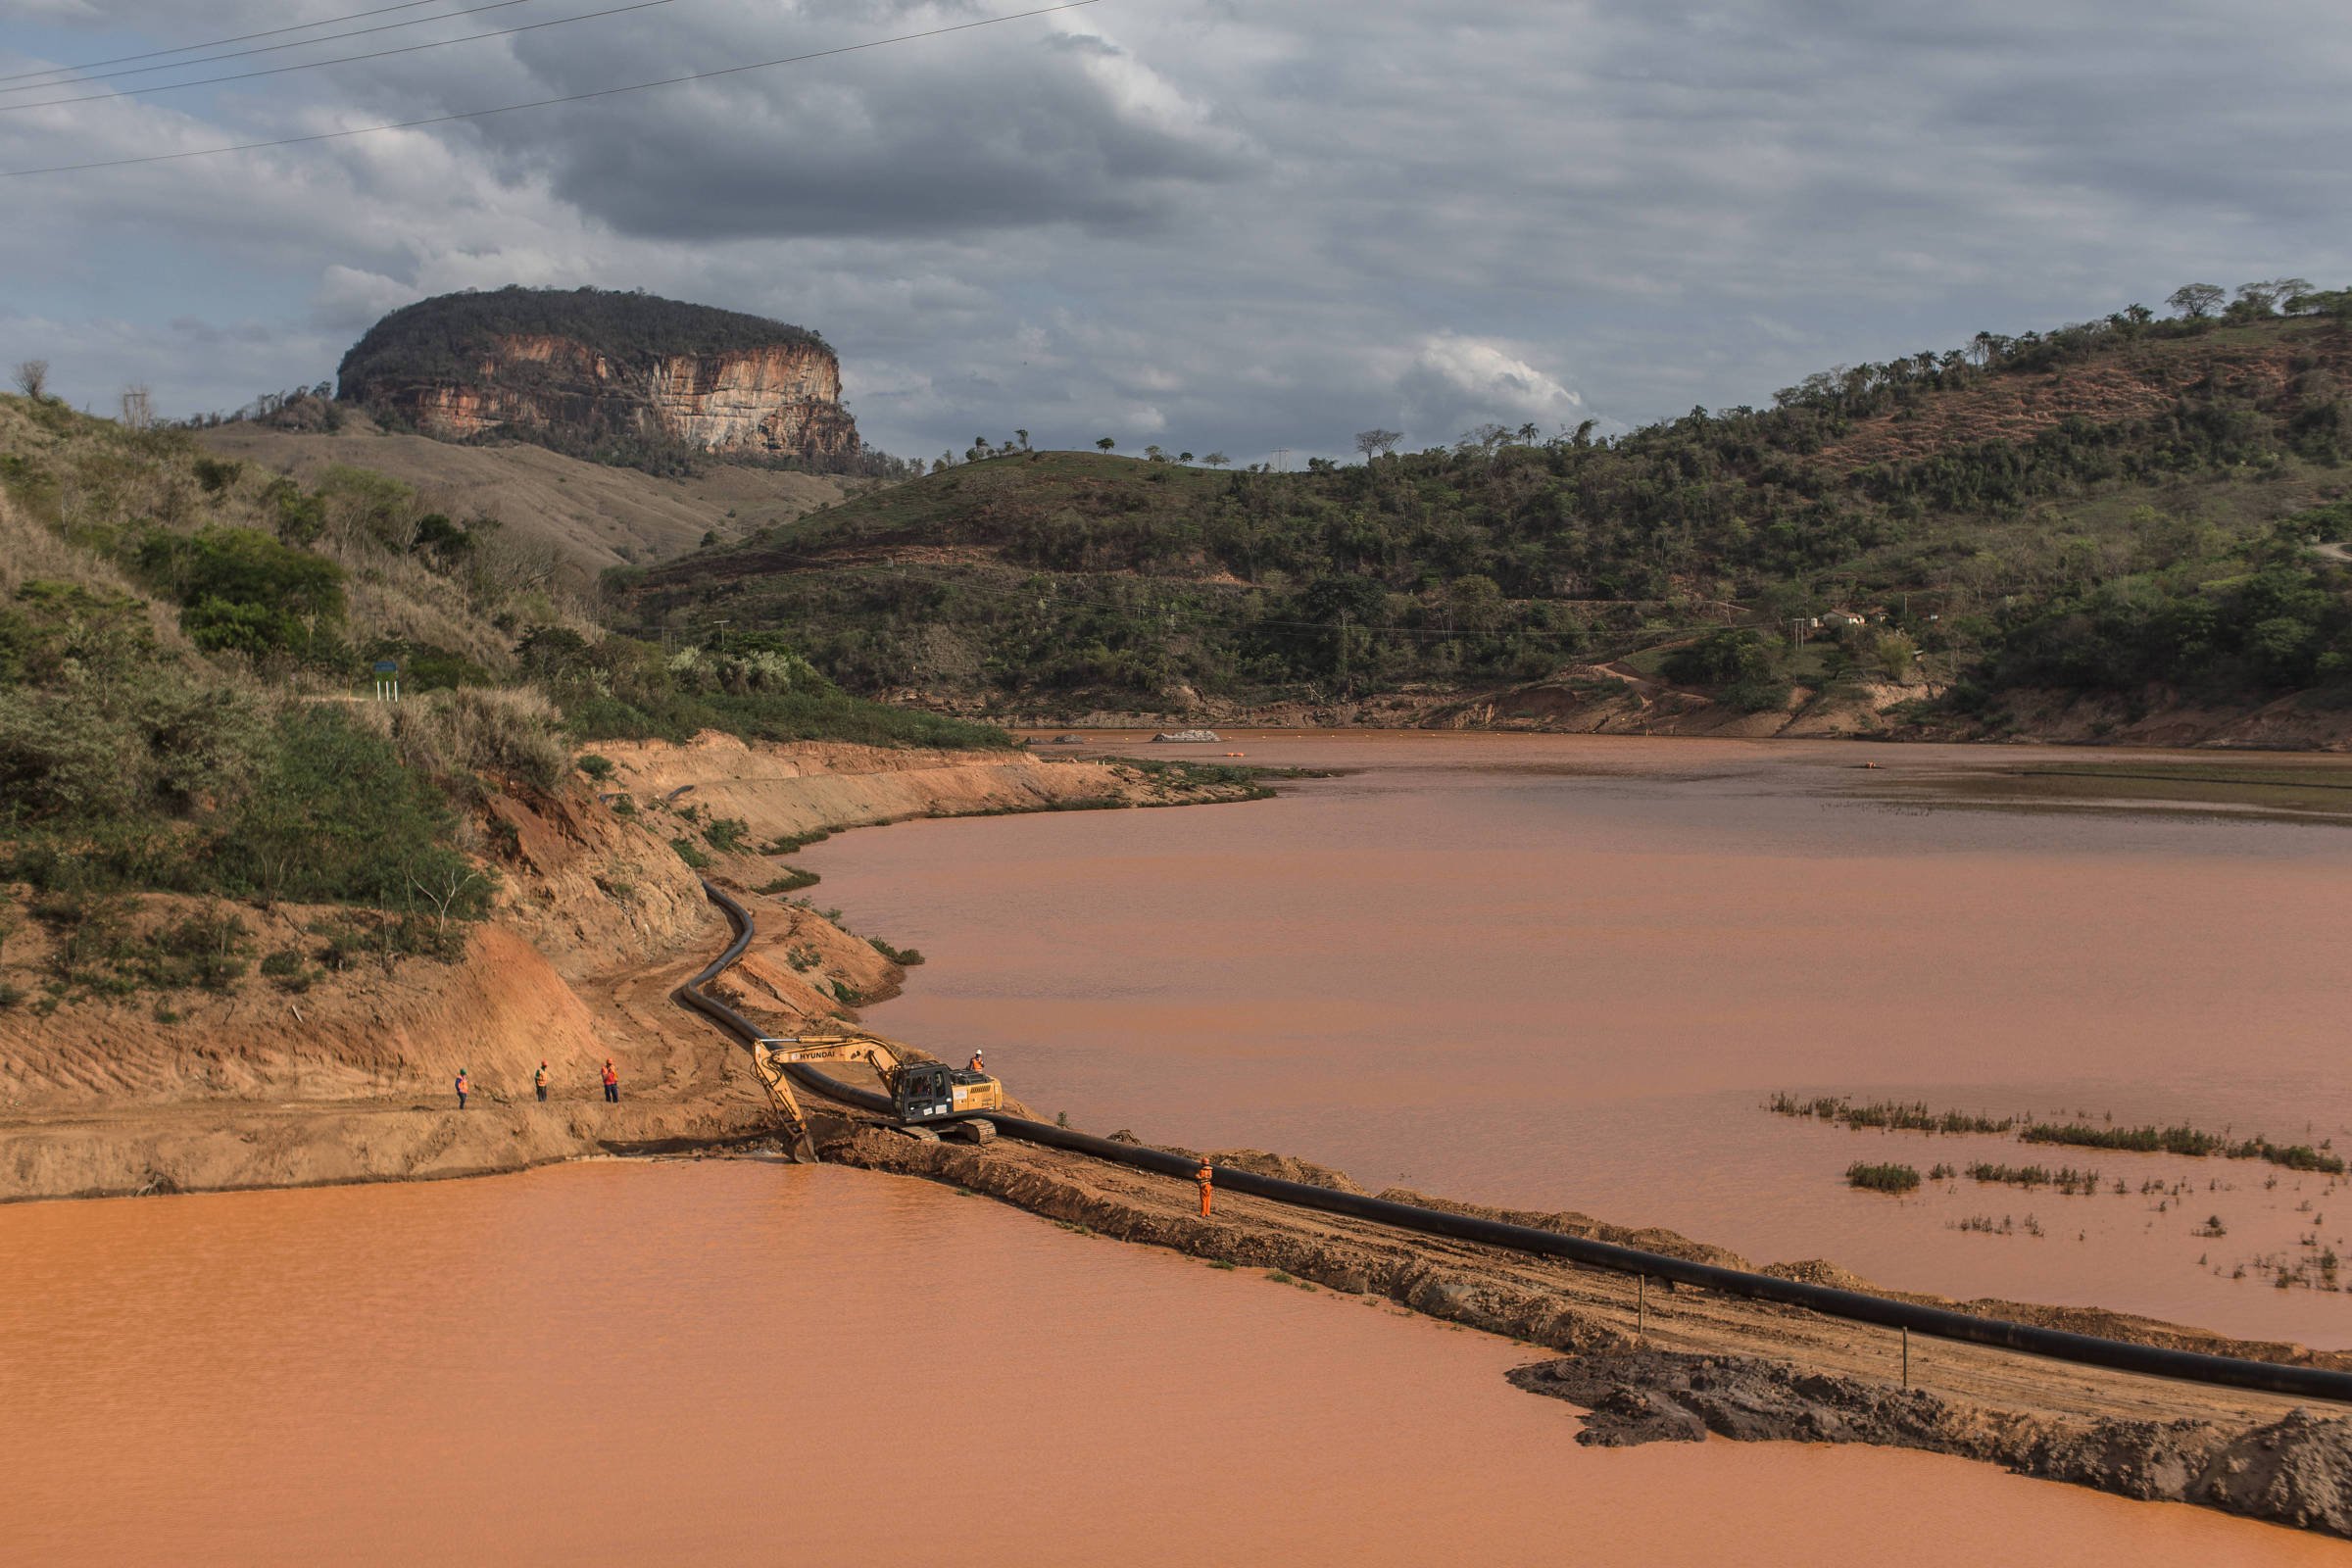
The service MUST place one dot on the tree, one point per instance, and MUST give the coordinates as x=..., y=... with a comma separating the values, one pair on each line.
x=1105, y=443
x=2262, y=298
x=1377, y=443
x=1216, y=460
x=33, y=378
x=1024, y=435
x=1184, y=456
x=1156, y=453
x=2196, y=301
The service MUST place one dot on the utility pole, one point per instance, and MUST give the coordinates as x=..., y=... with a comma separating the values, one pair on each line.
x=1282, y=459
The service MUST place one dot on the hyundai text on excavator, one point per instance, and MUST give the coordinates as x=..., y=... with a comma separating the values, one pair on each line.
x=922, y=1093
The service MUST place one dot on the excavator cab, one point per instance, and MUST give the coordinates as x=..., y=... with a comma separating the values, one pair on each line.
x=922, y=1092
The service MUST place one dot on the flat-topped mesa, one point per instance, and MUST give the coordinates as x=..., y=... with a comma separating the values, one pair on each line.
x=586, y=367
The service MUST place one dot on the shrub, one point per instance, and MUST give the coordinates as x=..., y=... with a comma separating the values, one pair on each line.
x=506, y=731
x=243, y=590
x=1882, y=1178
x=726, y=834
x=692, y=857
x=791, y=881
x=903, y=958
x=599, y=768
x=338, y=818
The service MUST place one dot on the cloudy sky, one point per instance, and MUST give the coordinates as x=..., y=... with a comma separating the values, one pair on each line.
x=1197, y=222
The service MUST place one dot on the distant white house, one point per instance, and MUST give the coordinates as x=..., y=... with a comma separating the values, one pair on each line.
x=1840, y=619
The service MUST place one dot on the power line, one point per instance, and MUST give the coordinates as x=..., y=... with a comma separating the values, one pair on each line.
x=243, y=37
x=542, y=103
x=340, y=60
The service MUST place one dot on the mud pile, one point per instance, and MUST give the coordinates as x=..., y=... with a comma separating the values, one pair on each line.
x=2297, y=1470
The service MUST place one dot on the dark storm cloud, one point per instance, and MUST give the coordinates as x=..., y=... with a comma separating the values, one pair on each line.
x=1241, y=227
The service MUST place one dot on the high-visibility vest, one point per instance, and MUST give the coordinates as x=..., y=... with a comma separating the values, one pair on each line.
x=611, y=1076
x=539, y=1078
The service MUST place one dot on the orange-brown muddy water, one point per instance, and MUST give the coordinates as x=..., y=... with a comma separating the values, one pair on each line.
x=1564, y=973
x=623, y=1363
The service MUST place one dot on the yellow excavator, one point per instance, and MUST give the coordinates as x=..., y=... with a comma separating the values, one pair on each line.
x=922, y=1093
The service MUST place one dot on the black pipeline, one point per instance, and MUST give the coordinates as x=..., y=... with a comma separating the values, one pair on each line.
x=2272, y=1377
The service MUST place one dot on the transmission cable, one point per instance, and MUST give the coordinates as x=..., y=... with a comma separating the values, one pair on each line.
x=216, y=44
x=542, y=103
x=340, y=60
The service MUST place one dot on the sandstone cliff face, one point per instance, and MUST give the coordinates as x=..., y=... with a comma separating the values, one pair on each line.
x=778, y=400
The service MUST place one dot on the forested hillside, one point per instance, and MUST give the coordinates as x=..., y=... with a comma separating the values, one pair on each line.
x=2126, y=503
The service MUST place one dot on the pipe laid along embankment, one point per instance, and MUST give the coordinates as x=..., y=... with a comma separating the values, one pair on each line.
x=2090, y=1349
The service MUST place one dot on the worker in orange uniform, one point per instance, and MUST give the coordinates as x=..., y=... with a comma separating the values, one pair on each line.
x=539, y=1082
x=463, y=1087
x=977, y=1066
x=1203, y=1176
x=612, y=1084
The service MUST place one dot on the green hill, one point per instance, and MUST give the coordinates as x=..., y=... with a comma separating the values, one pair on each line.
x=2121, y=505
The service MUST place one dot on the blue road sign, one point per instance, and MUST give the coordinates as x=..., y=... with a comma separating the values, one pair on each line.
x=386, y=666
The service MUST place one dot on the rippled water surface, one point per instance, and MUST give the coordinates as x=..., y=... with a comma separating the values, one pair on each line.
x=746, y=1363
x=1564, y=973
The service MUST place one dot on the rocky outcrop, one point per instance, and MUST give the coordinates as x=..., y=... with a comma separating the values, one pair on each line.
x=592, y=367
x=781, y=401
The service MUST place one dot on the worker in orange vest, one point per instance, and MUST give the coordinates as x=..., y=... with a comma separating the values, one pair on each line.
x=539, y=1082
x=1202, y=1176
x=612, y=1083
x=463, y=1086
x=976, y=1066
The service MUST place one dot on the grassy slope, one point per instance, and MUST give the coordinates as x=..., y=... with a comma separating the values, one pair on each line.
x=596, y=515
x=2147, y=461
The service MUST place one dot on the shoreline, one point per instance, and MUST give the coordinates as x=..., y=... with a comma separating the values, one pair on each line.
x=2116, y=1432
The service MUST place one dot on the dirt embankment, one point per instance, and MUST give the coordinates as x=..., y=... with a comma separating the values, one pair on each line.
x=794, y=790
x=334, y=1063
x=1761, y=1370
x=2297, y=1470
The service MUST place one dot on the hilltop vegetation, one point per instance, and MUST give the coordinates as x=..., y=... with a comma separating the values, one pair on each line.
x=2128, y=502
x=187, y=652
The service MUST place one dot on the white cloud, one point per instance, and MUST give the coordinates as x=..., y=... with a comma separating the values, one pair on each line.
x=1485, y=374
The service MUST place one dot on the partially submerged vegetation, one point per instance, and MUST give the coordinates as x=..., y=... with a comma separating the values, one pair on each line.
x=1882, y=1178
x=2178, y=1138
x=2185, y=1140
x=1908, y=1116
x=2066, y=1179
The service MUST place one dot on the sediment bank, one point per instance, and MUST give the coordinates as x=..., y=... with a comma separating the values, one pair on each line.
x=341, y=1070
